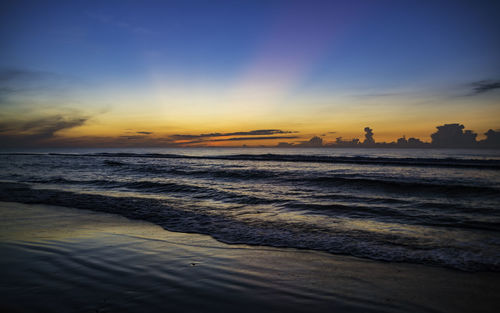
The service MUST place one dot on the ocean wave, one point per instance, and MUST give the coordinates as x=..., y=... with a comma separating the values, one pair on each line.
x=320, y=200
x=114, y=163
x=426, y=216
x=280, y=233
x=433, y=162
x=166, y=188
x=493, y=164
x=400, y=186
x=240, y=174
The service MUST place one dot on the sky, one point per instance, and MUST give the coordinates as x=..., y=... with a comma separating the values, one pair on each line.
x=231, y=73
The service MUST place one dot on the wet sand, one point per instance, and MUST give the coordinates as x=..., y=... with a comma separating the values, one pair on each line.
x=56, y=259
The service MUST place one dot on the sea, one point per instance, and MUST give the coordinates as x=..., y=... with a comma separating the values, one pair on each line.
x=432, y=206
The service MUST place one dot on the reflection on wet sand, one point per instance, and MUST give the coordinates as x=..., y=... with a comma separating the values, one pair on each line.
x=92, y=262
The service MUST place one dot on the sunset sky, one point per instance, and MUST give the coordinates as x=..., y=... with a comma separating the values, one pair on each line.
x=173, y=73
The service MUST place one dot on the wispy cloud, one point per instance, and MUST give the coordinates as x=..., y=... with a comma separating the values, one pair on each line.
x=483, y=86
x=255, y=138
x=33, y=132
x=258, y=132
x=142, y=135
x=207, y=141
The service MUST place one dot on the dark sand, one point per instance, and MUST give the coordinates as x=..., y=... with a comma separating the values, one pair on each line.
x=55, y=259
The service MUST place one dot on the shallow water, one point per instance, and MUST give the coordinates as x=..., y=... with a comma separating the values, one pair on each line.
x=56, y=259
x=437, y=207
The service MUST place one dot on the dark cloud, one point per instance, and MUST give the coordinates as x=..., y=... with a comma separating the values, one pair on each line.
x=255, y=138
x=258, y=132
x=46, y=126
x=314, y=142
x=36, y=131
x=186, y=137
x=285, y=145
x=368, y=136
x=144, y=133
x=483, y=86
x=237, y=139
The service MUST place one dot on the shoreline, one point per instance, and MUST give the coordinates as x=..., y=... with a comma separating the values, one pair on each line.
x=230, y=231
x=73, y=260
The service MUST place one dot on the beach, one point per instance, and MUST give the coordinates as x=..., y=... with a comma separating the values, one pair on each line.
x=249, y=156
x=57, y=259
x=432, y=207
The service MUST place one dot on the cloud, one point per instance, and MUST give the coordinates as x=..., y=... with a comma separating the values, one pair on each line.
x=237, y=139
x=43, y=132
x=46, y=126
x=38, y=130
x=483, y=86
x=255, y=138
x=142, y=135
x=258, y=132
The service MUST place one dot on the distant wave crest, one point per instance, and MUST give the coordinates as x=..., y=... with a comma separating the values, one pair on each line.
x=425, y=162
